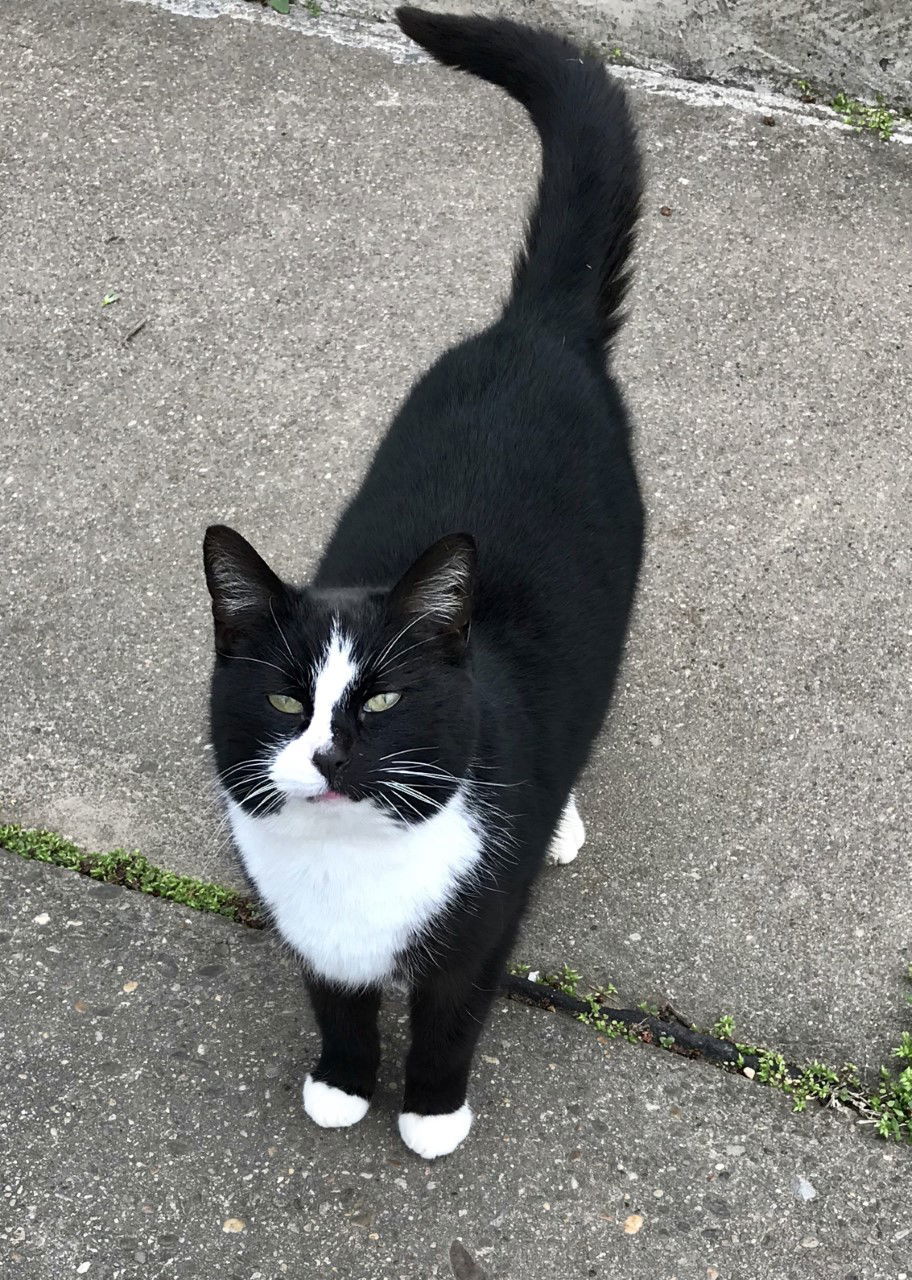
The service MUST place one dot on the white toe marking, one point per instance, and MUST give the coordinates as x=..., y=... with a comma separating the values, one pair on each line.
x=332, y=1108
x=569, y=837
x=432, y=1136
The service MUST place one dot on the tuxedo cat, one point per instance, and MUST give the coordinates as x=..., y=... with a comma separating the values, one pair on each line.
x=398, y=740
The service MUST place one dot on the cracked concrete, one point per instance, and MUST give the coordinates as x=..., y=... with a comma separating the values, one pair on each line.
x=859, y=49
x=150, y=1109
x=302, y=226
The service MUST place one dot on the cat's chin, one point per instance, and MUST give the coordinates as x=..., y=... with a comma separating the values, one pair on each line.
x=324, y=805
x=334, y=817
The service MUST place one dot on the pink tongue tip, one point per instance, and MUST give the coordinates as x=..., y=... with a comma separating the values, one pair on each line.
x=330, y=795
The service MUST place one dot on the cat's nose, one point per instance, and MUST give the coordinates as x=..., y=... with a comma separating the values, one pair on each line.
x=329, y=760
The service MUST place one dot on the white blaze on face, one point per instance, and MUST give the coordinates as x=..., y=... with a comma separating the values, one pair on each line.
x=293, y=769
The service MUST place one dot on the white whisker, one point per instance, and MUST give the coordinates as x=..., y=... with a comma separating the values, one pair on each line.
x=239, y=657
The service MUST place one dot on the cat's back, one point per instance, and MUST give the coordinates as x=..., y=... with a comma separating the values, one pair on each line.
x=511, y=436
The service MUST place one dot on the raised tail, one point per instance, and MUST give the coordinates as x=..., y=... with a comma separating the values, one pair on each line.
x=573, y=267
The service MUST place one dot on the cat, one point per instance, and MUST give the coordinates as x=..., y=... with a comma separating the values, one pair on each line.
x=397, y=742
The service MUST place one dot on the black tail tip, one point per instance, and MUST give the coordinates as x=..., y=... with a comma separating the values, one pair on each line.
x=416, y=23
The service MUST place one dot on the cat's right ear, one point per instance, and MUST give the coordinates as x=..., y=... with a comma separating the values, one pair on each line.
x=241, y=583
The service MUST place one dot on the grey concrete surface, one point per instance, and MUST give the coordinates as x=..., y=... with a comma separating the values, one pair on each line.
x=861, y=49
x=301, y=227
x=153, y=1060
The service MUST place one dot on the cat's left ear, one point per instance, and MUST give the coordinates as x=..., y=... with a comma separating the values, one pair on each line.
x=241, y=583
x=440, y=586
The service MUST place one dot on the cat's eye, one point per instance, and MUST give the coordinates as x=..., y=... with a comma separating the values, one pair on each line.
x=382, y=701
x=290, y=706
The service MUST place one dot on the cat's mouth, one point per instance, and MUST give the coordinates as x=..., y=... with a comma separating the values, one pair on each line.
x=292, y=790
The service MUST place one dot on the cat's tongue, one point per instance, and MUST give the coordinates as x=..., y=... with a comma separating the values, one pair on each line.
x=330, y=795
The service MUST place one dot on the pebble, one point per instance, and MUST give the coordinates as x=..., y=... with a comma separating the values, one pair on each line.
x=803, y=1189
x=44, y=918
x=234, y=1225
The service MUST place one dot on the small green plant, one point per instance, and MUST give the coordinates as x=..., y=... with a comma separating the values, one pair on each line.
x=280, y=6
x=724, y=1027
x=597, y=1018
x=892, y=1100
x=313, y=7
x=567, y=980
x=875, y=118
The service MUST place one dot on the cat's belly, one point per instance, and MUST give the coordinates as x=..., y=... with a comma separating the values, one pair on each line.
x=347, y=889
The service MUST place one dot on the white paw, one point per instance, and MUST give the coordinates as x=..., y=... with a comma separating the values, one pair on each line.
x=432, y=1136
x=332, y=1108
x=569, y=837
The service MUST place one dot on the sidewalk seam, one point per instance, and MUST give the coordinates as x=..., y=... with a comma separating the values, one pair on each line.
x=385, y=38
x=887, y=1108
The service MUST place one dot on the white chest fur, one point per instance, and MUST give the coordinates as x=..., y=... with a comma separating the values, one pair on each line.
x=347, y=888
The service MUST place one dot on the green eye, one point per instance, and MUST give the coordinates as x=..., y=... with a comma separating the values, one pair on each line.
x=290, y=706
x=382, y=701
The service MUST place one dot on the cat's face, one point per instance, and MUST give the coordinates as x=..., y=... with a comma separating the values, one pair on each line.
x=335, y=699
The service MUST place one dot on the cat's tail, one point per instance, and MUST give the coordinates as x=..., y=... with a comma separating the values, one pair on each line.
x=573, y=267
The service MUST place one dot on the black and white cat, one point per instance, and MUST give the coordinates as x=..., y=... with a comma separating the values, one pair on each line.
x=398, y=741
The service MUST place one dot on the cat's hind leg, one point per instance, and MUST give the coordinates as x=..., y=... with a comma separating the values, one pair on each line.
x=569, y=837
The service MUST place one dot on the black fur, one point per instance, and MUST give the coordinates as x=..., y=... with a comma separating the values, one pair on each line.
x=520, y=438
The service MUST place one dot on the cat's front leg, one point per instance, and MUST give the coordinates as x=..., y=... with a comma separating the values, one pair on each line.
x=338, y=1090
x=448, y=1014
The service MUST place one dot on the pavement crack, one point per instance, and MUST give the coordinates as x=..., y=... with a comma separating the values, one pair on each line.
x=886, y=1106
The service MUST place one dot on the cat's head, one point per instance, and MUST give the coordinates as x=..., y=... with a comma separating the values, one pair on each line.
x=339, y=698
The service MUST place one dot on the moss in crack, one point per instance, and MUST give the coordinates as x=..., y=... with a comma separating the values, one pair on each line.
x=598, y=1017
x=876, y=117
x=133, y=871
x=566, y=979
x=892, y=1100
x=724, y=1027
x=886, y=1106
x=313, y=7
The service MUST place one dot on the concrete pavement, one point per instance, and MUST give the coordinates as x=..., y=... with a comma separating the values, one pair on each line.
x=856, y=49
x=152, y=1126
x=299, y=226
